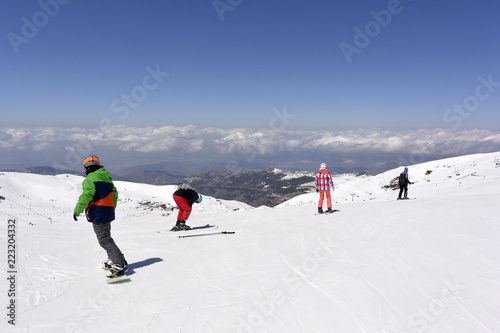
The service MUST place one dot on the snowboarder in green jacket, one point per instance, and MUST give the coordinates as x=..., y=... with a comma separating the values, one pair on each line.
x=98, y=200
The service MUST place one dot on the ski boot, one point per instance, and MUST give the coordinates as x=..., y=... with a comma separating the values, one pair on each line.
x=329, y=210
x=177, y=226
x=108, y=265
x=180, y=225
x=117, y=270
x=184, y=226
x=320, y=210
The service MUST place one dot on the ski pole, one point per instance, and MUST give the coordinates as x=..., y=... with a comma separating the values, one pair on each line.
x=209, y=234
x=393, y=191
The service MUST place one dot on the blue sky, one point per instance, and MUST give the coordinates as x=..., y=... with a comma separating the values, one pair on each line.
x=265, y=65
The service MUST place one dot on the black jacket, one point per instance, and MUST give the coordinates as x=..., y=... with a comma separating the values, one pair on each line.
x=403, y=179
x=190, y=195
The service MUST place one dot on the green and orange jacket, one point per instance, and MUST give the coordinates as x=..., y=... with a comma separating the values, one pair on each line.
x=99, y=197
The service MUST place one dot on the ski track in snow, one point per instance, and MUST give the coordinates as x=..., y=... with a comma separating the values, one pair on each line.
x=379, y=265
x=354, y=318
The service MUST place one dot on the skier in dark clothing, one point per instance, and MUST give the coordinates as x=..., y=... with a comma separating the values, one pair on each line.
x=99, y=200
x=403, y=184
x=184, y=197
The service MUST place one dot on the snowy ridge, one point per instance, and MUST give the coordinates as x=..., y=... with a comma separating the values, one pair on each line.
x=379, y=265
x=452, y=176
x=56, y=196
x=294, y=174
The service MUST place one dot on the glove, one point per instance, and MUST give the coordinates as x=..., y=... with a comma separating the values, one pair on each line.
x=75, y=217
x=317, y=190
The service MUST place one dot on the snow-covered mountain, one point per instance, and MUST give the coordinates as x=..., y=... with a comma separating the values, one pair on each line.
x=268, y=187
x=379, y=265
x=432, y=179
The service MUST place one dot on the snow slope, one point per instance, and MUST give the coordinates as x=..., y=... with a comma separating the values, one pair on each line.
x=379, y=265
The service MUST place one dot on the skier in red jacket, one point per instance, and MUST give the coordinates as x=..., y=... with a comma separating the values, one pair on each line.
x=324, y=184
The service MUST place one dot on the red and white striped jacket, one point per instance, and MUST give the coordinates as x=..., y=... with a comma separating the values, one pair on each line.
x=324, y=180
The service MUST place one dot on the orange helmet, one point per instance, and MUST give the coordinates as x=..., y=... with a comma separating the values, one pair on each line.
x=91, y=160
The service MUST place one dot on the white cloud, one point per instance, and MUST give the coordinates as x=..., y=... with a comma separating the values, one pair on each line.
x=250, y=143
x=41, y=146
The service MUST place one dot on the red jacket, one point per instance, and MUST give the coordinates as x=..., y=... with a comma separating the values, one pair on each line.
x=324, y=180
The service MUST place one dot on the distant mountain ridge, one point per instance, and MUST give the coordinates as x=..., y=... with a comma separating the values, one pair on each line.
x=153, y=177
x=43, y=170
x=267, y=187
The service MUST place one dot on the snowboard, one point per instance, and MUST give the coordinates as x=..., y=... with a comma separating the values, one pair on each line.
x=327, y=213
x=111, y=280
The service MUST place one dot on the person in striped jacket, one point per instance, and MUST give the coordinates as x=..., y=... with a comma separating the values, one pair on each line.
x=324, y=184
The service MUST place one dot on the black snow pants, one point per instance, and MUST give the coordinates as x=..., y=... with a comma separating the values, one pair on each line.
x=405, y=189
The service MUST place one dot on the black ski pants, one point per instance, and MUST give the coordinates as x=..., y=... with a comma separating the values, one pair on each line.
x=405, y=189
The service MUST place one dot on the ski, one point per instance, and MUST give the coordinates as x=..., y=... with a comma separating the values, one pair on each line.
x=193, y=229
x=208, y=234
x=202, y=227
x=206, y=226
